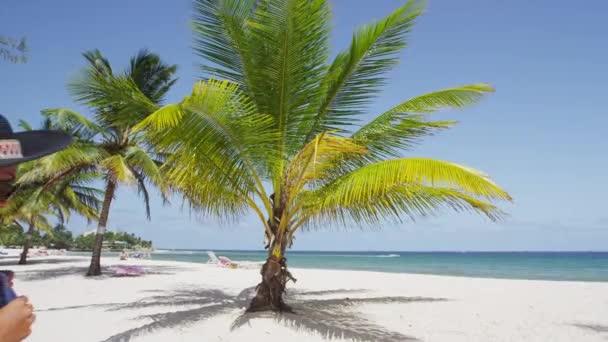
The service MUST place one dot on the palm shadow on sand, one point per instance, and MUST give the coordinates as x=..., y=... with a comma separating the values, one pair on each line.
x=13, y=261
x=598, y=328
x=58, y=272
x=333, y=317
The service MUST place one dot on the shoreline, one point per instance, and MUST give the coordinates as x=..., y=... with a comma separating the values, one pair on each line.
x=295, y=269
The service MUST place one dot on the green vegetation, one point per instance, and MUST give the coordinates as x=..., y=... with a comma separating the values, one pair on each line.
x=114, y=241
x=281, y=134
x=59, y=237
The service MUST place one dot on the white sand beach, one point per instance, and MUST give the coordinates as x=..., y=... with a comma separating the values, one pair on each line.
x=197, y=302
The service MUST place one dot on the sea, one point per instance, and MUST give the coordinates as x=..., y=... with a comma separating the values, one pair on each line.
x=560, y=266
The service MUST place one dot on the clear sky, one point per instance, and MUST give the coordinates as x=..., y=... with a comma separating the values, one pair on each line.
x=541, y=135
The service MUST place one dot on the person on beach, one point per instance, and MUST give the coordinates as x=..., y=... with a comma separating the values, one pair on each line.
x=17, y=316
x=6, y=285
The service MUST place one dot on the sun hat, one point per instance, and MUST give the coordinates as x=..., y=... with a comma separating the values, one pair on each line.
x=20, y=147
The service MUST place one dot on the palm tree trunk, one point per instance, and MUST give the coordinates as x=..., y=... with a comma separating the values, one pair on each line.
x=269, y=293
x=26, y=244
x=95, y=267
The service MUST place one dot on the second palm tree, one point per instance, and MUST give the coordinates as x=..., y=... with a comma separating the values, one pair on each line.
x=118, y=101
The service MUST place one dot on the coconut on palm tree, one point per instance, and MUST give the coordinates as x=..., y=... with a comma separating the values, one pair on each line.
x=109, y=143
x=282, y=135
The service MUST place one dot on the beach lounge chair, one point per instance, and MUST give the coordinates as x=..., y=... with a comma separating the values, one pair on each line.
x=221, y=261
x=212, y=258
x=225, y=262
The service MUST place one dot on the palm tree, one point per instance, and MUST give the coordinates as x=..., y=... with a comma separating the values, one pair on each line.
x=108, y=143
x=13, y=50
x=34, y=202
x=34, y=216
x=281, y=135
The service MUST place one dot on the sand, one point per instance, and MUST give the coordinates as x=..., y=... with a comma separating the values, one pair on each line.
x=197, y=302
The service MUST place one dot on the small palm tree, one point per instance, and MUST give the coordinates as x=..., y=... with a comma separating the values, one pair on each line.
x=32, y=214
x=281, y=135
x=108, y=143
x=34, y=202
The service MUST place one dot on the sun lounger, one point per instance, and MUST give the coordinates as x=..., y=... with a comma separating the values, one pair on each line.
x=221, y=261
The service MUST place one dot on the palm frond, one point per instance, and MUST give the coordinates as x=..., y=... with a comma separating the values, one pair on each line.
x=43, y=224
x=389, y=203
x=76, y=158
x=215, y=126
x=393, y=188
x=402, y=126
x=357, y=73
x=142, y=161
x=142, y=189
x=221, y=38
x=117, y=169
x=289, y=42
x=417, y=171
x=98, y=62
x=117, y=99
x=317, y=157
x=72, y=122
x=217, y=122
x=386, y=137
x=152, y=76
x=457, y=97
x=25, y=125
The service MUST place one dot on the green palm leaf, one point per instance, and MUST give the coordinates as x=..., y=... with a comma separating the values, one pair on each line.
x=72, y=122
x=401, y=127
x=418, y=171
x=324, y=208
x=118, y=169
x=220, y=129
x=222, y=37
x=357, y=73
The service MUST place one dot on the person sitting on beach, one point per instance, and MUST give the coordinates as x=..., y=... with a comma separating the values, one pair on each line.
x=124, y=255
x=17, y=317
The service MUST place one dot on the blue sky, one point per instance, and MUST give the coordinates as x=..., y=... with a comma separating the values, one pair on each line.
x=541, y=135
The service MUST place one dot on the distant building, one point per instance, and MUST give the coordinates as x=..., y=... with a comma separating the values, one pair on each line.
x=114, y=245
x=94, y=231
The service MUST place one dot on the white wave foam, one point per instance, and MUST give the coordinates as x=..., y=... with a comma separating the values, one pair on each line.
x=167, y=251
x=387, y=256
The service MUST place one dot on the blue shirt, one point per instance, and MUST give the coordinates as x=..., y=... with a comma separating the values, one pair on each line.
x=6, y=293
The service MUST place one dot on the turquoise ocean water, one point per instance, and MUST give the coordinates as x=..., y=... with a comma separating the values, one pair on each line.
x=579, y=266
